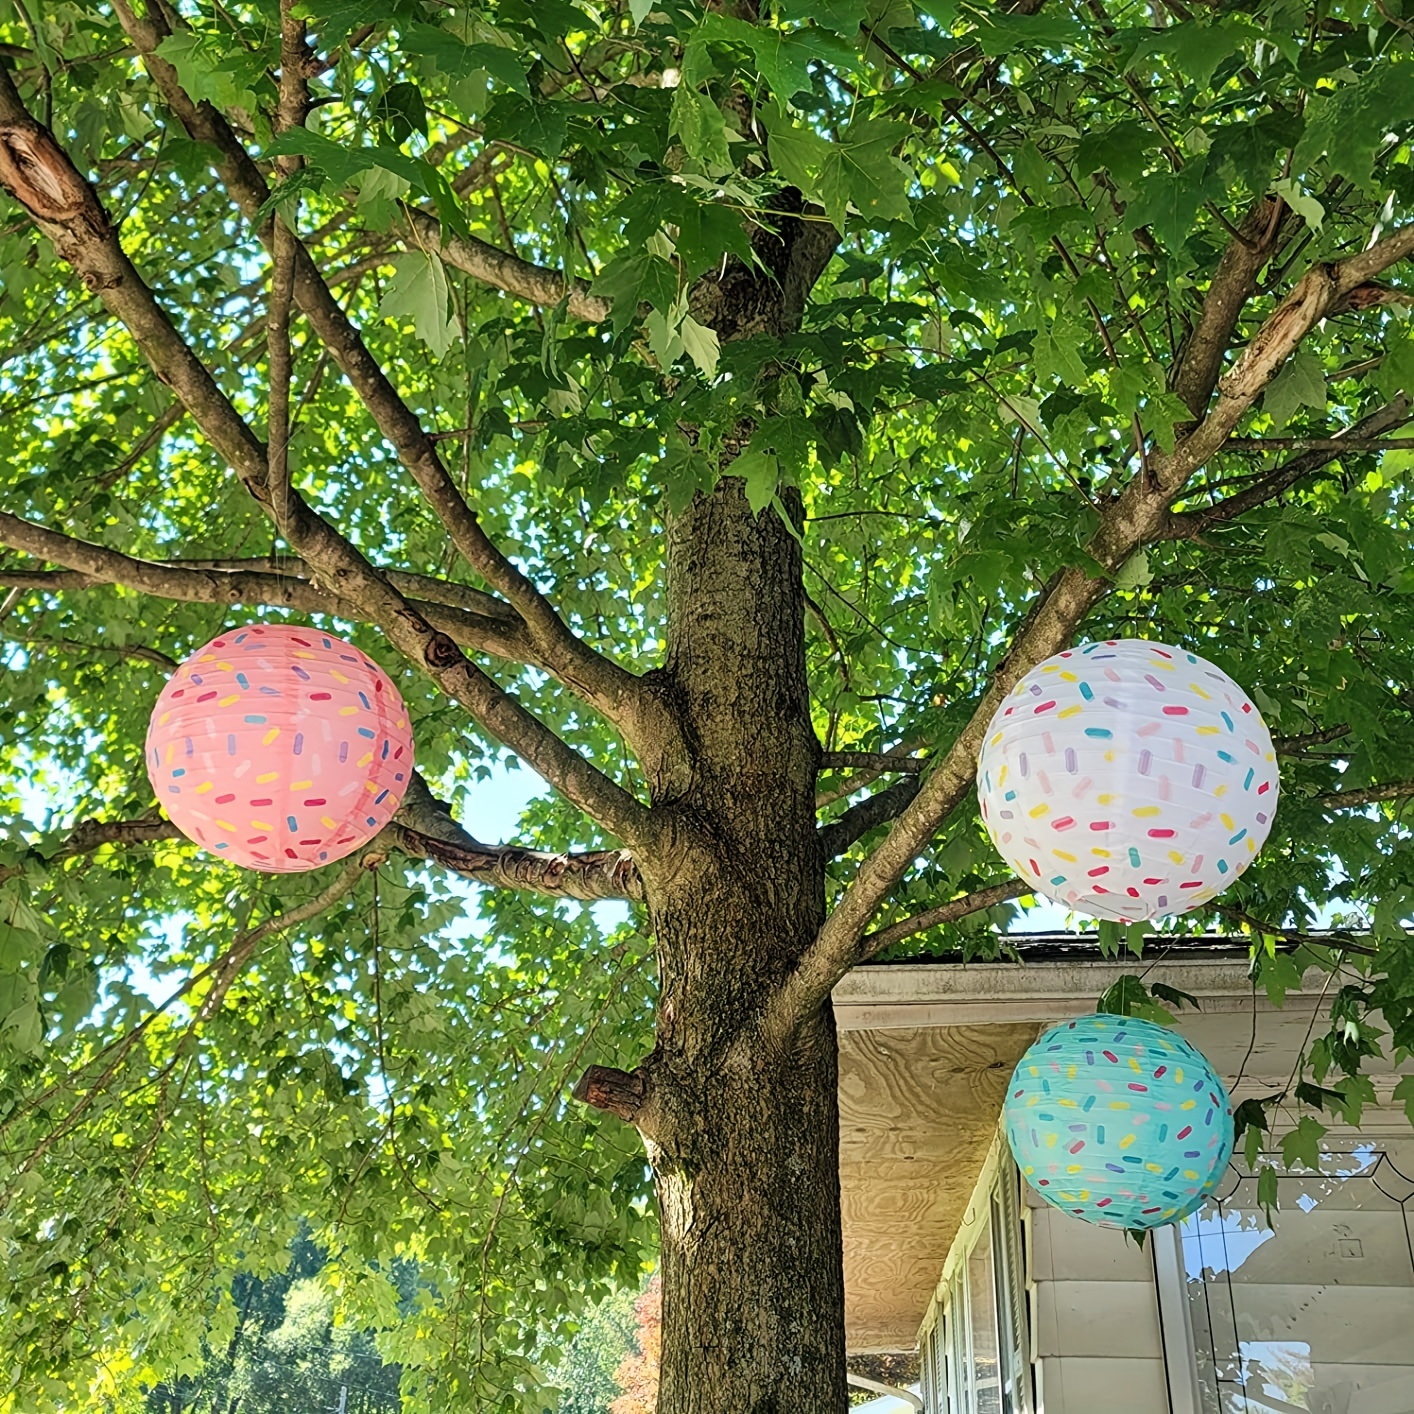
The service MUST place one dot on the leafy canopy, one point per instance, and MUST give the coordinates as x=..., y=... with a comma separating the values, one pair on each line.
x=1032, y=206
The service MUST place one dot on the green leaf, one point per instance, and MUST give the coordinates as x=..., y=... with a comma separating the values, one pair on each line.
x=403, y=112
x=1195, y=49
x=1174, y=996
x=1128, y=996
x=860, y=170
x=1267, y=1191
x=418, y=292
x=796, y=153
x=635, y=277
x=338, y=163
x=527, y=122
x=459, y=61
x=1168, y=202
x=639, y=10
x=1320, y=1098
x=701, y=345
x=1302, y=383
x=1350, y=126
x=23, y=1029
x=703, y=129
x=844, y=17
x=1396, y=374
x=1134, y=573
x=1404, y=1094
x=1057, y=356
x=1302, y=1145
x=1000, y=33
x=212, y=72
x=761, y=471
x=1300, y=201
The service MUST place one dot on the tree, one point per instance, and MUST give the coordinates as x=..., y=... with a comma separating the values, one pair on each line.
x=586, y=1377
x=639, y=1373
x=287, y=1354
x=717, y=406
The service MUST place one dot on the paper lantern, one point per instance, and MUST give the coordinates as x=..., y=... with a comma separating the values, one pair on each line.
x=279, y=748
x=1119, y=1122
x=1127, y=779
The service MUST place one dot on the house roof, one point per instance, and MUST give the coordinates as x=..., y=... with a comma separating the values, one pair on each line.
x=926, y=1050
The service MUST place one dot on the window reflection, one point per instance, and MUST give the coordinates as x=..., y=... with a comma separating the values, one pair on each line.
x=1314, y=1315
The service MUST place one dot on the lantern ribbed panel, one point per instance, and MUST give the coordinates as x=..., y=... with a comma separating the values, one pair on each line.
x=1119, y=1122
x=1127, y=779
x=279, y=748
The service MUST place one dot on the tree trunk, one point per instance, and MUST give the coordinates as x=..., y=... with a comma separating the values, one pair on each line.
x=744, y=1138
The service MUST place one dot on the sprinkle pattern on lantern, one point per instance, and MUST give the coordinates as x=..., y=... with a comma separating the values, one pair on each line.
x=1128, y=779
x=1119, y=1122
x=279, y=748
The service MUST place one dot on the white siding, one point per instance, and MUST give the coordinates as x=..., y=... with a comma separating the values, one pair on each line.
x=1094, y=1319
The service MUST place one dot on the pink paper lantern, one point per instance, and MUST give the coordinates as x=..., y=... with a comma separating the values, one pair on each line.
x=279, y=748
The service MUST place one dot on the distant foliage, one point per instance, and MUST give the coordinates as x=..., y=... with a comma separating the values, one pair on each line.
x=587, y=1375
x=287, y=1354
x=638, y=1375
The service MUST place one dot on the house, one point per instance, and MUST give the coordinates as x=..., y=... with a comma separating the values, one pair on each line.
x=1016, y=1308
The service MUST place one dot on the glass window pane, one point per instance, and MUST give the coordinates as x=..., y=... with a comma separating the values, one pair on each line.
x=1315, y=1312
x=985, y=1369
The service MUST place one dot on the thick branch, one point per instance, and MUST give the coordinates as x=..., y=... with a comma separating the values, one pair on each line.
x=610, y=689
x=536, y=284
x=423, y=828
x=35, y=169
x=856, y=822
x=211, y=583
x=797, y=997
x=1189, y=525
x=1324, y=290
x=1296, y=745
x=878, y=761
x=1365, y=795
x=1234, y=282
x=1139, y=516
x=623, y=1093
x=874, y=943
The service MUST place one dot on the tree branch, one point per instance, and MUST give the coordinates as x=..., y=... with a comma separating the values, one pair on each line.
x=1295, y=745
x=536, y=284
x=423, y=828
x=1234, y=282
x=1365, y=795
x=623, y=1093
x=1340, y=940
x=1324, y=290
x=41, y=177
x=612, y=690
x=1189, y=525
x=856, y=822
x=796, y=997
x=874, y=943
x=877, y=761
x=195, y=582
x=1137, y=517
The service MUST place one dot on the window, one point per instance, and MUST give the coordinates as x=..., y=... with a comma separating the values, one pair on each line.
x=975, y=1354
x=1314, y=1313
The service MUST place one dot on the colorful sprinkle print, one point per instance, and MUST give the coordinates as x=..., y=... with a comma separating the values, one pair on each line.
x=1119, y=1122
x=279, y=748
x=1128, y=780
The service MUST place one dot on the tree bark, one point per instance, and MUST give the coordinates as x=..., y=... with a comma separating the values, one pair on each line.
x=744, y=1138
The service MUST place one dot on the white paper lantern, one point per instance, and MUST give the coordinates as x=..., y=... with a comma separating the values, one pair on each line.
x=1128, y=780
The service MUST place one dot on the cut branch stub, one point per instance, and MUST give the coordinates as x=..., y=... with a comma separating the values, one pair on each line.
x=623, y=1093
x=36, y=173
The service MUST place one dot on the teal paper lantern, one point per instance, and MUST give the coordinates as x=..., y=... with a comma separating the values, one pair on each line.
x=1119, y=1122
